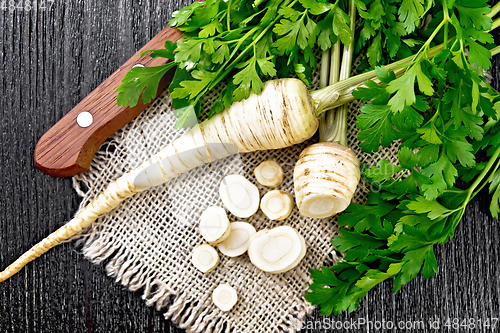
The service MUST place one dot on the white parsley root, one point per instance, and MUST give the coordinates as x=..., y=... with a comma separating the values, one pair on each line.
x=239, y=195
x=269, y=173
x=239, y=239
x=205, y=258
x=280, y=116
x=277, y=250
x=225, y=297
x=325, y=179
x=277, y=205
x=214, y=225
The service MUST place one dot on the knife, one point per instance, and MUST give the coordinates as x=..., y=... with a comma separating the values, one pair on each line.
x=68, y=147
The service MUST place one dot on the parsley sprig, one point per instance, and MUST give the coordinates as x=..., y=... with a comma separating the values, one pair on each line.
x=240, y=43
x=446, y=116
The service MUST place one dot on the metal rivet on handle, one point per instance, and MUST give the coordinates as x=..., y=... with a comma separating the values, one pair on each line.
x=84, y=119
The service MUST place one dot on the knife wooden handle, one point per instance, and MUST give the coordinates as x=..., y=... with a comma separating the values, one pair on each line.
x=68, y=148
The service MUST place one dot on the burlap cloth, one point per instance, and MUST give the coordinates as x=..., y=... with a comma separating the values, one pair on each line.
x=146, y=243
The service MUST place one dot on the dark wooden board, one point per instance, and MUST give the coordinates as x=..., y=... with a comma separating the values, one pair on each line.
x=49, y=61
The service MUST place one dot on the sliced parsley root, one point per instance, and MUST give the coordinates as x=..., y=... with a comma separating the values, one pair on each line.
x=446, y=117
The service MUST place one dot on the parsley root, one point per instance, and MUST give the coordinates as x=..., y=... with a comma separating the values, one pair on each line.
x=325, y=178
x=277, y=250
x=281, y=116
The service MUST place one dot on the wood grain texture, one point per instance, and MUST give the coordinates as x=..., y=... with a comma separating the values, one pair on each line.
x=49, y=61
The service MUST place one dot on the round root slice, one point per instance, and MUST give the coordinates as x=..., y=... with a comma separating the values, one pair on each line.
x=299, y=258
x=277, y=205
x=239, y=195
x=225, y=297
x=277, y=250
x=325, y=179
x=269, y=173
x=205, y=258
x=214, y=225
x=239, y=239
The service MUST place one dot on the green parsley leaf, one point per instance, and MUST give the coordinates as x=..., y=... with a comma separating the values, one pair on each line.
x=442, y=173
x=434, y=209
x=410, y=12
x=383, y=171
x=341, y=27
x=191, y=88
x=141, y=80
x=315, y=7
x=495, y=203
x=375, y=122
x=181, y=16
x=247, y=80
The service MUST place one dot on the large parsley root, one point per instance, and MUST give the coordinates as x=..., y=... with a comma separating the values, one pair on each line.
x=281, y=116
x=325, y=178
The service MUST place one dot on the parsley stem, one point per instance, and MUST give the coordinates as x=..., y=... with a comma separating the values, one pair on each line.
x=326, y=58
x=487, y=180
x=495, y=24
x=494, y=10
x=228, y=15
x=485, y=171
x=436, y=31
x=495, y=50
x=325, y=66
x=340, y=123
x=445, y=36
x=425, y=47
x=472, y=190
x=335, y=63
x=446, y=16
x=333, y=125
x=327, y=119
x=395, y=181
x=454, y=191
